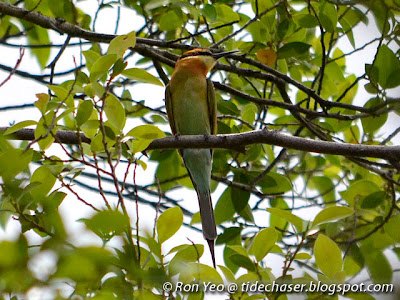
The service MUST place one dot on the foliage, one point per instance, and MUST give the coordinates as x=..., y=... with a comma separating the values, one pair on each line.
x=291, y=75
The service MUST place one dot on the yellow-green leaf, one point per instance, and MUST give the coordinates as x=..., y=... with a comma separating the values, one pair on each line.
x=328, y=256
x=332, y=214
x=303, y=256
x=148, y=132
x=169, y=223
x=288, y=216
x=115, y=112
x=141, y=76
x=206, y=273
x=121, y=43
x=91, y=57
x=170, y=21
x=263, y=243
x=85, y=109
x=19, y=126
x=101, y=66
x=328, y=16
x=41, y=103
x=13, y=161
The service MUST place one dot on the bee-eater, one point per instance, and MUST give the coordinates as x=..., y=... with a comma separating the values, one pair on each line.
x=192, y=110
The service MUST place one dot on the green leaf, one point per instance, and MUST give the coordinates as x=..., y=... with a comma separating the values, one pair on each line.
x=185, y=254
x=303, y=256
x=388, y=66
x=13, y=254
x=119, y=67
x=381, y=13
x=97, y=143
x=274, y=183
x=230, y=277
x=148, y=132
x=276, y=221
x=328, y=16
x=62, y=94
x=347, y=29
x=170, y=21
x=46, y=179
x=83, y=265
x=354, y=261
x=331, y=214
x=263, y=243
x=306, y=20
x=115, y=112
x=224, y=209
x=169, y=223
x=90, y=128
x=325, y=187
x=91, y=57
x=377, y=264
x=247, y=213
x=231, y=235
x=192, y=9
x=43, y=132
x=249, y=113
x=205, y=273
x=101, y=66
x=14, y=161
x=108, y=223
x=226, y=14
x=240, y=199
x=144, y=135
x=139, y=145
x=359, y=189
x=120, y=44
x=228, y=108
x=293, y=49
x=371, y=88
x=19, y=126
x=258, y=31
x=288, y=216
x=85, y=110
x=41, y=103
x=392, y=227
x=64, y=9
x=210, y=12
x=373, y=200
x=285, y=28
x=328, y=256
x=141, y=76
x=242, y=261
x=152, y=4
x=38, y=36
x=373, y=123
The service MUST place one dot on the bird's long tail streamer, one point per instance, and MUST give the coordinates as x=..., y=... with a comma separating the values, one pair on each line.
x=199, y=163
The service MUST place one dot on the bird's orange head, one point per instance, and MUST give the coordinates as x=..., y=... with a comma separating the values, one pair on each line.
x=200, y=60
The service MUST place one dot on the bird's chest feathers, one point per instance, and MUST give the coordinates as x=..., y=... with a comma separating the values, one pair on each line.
x=190, y=105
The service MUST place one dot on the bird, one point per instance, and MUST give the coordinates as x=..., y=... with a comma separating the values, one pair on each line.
x=192, y=110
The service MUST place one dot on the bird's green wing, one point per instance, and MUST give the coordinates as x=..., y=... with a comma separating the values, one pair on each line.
x=170, y=112
x=212, y=106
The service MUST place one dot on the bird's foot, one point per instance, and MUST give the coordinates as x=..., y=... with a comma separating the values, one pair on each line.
x=206, y=136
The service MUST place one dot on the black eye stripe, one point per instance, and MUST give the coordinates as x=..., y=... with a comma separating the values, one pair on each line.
x=197, y=53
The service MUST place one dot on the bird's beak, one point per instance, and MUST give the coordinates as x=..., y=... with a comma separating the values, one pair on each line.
x=223, y=54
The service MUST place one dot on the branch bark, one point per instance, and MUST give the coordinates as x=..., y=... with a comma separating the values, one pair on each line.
x=142, y=47
x=238, y=142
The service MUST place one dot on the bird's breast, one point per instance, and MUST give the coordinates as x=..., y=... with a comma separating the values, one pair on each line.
x=190, y=105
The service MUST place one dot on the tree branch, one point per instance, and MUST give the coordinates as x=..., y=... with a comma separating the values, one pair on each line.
x=238, y=142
